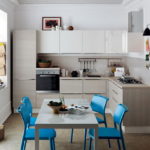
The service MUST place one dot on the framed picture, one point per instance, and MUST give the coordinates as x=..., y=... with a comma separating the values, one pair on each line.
x=49, y=22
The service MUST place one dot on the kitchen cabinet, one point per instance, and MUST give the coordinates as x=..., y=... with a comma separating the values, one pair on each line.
x=48, y=41
x=71, y=41
x=136, y=98
x=116, y=41
x=135, y=42
x=70, y=96
x=23, y=88
x=24, y=65
x=71, y=86
x=94, y=86
x=42, y=96
x=94, y=41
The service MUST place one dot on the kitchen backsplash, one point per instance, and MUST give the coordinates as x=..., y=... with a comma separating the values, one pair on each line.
x=137, y=69
x=71, y=63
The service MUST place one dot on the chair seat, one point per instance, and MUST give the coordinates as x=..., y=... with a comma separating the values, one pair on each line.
x=44, y=134
x=32, y=121
x=106, y=133
x=99, y=120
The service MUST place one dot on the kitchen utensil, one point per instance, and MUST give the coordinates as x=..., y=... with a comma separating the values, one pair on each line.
x=74, y=74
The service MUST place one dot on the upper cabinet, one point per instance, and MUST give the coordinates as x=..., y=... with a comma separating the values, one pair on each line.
x=71, y=41
x=93, y=41
x=135, y=42
x=48, y=41
x=116, y=41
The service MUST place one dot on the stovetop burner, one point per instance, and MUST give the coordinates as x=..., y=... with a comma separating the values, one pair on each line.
x=129, y=80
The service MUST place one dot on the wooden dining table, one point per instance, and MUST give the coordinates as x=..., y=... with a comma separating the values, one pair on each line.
x=82, y=118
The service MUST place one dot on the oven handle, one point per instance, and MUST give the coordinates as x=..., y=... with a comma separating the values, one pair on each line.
x=46, y=76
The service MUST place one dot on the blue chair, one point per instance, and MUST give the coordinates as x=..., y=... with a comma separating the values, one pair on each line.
x=112, y=133
x=98, y=104
x=29, y=133
x=27, y=101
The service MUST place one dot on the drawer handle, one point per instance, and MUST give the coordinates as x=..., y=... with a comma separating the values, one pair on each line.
x=115, y=92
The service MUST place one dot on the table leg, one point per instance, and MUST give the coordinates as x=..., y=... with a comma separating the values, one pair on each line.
x=96, y=139
x=36, y=138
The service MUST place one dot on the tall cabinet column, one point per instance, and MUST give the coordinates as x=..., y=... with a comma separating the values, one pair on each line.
x=24, y=66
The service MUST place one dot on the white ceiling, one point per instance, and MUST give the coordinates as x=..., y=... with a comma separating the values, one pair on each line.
x=70, y=1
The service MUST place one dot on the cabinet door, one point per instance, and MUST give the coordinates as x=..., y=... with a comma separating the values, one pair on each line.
x=48, y=41
x=70, y=41
x=23, y=88
x=71, y=86
x=42, y=96
x=94, y=86
x=135, y=42
x=93, y=41
x=116, y=41
x=24, y=54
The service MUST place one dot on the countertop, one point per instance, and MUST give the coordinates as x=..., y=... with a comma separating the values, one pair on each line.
x=112, y=79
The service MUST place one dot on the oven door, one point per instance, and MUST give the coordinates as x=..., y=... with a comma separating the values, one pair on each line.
x=47, y=83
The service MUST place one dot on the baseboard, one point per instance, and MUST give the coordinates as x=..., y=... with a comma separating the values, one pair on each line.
x=137, y=129
x=5, y=113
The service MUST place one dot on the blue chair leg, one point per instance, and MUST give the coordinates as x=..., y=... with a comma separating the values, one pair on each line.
x=51, y=144
x=90, y=143
x=23, y=144
x=123, y=144
x=118, y=144
x=71, y=139
x=108, y=139
x=85, y=134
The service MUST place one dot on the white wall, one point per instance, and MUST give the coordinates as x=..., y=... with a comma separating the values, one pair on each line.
x=5, y=93
x=81, y=16
x=136, y=62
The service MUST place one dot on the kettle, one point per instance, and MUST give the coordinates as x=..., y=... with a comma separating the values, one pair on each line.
x=74, y=74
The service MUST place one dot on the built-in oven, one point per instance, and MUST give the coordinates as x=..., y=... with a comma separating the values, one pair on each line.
x=47, y=80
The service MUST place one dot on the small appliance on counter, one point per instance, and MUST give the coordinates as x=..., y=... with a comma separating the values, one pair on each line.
x=47, y=80
x=119, y=72
x=74, y=74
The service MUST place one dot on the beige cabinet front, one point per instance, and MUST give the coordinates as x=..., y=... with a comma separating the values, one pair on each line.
x=94, y=86
x=23, y=88
x=71, y=86
x=42, y=96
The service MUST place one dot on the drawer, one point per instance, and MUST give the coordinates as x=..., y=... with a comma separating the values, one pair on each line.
x=94, y=86
x=115, y=93
x=112, y=106
x=70, y=86
x=42, y=96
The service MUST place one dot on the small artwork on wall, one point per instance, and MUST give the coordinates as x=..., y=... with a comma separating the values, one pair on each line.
x=49, y=22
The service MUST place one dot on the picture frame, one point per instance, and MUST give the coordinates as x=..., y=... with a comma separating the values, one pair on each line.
x=49, y=22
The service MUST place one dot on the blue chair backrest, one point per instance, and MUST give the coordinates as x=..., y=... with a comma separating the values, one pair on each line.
x=22, y=109
x=98, y=103
x=27, y=101
x=119, y=114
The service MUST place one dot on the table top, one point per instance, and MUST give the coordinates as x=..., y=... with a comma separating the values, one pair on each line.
x=46, y=117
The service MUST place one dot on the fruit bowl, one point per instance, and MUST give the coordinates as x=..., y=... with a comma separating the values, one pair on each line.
x=55, y=109
x=55, y=106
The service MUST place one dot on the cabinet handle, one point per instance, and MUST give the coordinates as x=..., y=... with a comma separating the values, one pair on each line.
x=115, y=92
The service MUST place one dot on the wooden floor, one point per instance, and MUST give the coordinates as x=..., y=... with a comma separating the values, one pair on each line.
x=14, y=128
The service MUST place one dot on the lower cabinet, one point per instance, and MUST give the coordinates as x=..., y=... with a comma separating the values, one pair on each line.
x=42, y=96
x=23, y=88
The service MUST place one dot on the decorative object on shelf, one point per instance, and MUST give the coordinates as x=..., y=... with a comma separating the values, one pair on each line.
x=146, y=33
x=44, y=63
x=70, y=28
x=2, y=60
x=51, y=23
